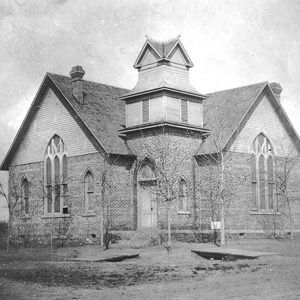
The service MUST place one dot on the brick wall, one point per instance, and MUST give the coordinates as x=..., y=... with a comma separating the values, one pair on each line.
x=118, y=196
x=242, y=214
x=121, y=189
x=179, y=148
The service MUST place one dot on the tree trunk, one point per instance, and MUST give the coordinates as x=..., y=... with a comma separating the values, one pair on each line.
x=222, y=223
x=101, y=228
x=169, y=225
x=222, y=202
x=291, y=221
x=8, y=236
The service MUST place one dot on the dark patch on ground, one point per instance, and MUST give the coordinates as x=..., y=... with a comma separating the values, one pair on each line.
x=222, y=267
x=87, y=277
x=221, y=256
x=214, y=267
x=121, y=258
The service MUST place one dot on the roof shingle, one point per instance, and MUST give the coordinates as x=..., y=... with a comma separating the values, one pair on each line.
x=103, y=111
x=222, y=113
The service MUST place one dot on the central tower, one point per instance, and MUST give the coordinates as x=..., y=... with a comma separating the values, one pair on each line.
x=163, y=95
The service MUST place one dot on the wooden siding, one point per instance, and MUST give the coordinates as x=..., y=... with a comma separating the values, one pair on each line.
x=264, y=119
x=149, y=57
x=154, y=77
x=157, y=109
x=145, y=111
x=177, y=56
x=173, y=109
x=51, y=118
x=184, y=111
x=195, y=113
x=134, y=114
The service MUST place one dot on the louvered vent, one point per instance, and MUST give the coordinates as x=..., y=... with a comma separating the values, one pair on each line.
x=184, y=111
x=145, y=111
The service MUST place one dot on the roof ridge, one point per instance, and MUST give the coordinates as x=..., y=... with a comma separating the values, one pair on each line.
x=90, y=81
x=163, y=41
x=236, y=88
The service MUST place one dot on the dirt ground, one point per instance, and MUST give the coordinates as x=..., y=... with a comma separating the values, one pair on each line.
x=40, y=274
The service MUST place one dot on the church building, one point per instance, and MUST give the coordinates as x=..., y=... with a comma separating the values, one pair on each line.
x=95, y=156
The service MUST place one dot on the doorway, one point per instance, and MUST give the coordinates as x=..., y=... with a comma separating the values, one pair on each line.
x=147, y=205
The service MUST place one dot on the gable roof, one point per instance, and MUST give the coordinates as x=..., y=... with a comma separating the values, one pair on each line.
x=103, y=111
x=163, y=50
x=226, y=112
x=101, y=116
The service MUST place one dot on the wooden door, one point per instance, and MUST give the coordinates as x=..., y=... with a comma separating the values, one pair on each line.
x=148, y=206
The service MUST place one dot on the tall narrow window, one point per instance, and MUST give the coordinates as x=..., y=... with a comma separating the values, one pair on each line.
x=184, y=111
x=270, y=183
x=64, y=177
x=262, y=182
x=262, y=173
x=254, y=180
x=145, y=111
x=25, y=197
x=57, y=182
x=182, y=195
x=55, y=175
x=49, y=184
x=89, y=192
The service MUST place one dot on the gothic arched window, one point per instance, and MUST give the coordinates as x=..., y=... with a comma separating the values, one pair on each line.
x=25, y=197
x=89, y=191
x=55, y=175
x=182, y=195
x=262, y=173
x=147, y=171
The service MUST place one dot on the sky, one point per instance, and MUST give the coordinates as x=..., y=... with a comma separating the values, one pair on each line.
x=231, y=43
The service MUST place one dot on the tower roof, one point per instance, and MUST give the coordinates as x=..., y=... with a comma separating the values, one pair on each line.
x=163, y=50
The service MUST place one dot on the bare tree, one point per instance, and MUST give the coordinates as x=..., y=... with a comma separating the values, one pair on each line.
x=167, y=158
x=107, y=185
x=219, y=179
x=285, y=189
x=14, y=205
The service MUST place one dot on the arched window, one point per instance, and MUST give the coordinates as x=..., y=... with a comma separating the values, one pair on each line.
x=89, y=192
x=55, y=175
x=147, y=171
x=25, y=197
x=262, y=173
x=182, y=195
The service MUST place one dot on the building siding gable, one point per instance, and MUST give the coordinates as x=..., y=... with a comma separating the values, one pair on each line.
x=264, y=119
x=51, y=118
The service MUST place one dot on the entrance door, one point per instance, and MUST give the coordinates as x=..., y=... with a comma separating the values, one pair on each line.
x=148, y=205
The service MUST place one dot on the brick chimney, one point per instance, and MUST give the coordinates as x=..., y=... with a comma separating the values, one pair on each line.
x=277, y=89
x=76, y=74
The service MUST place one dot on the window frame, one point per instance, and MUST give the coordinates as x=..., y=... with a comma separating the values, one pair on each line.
x=25, y=208
x=183, y=199
x=260, y=180
x=88, y=208
x=55, y=186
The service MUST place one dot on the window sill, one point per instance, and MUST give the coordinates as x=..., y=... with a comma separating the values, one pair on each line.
x=56, y=216
x=261, y=212
x=89, y=214
x=183, y=212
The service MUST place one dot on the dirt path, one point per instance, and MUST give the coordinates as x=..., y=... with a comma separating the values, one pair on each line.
x=156, y=275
